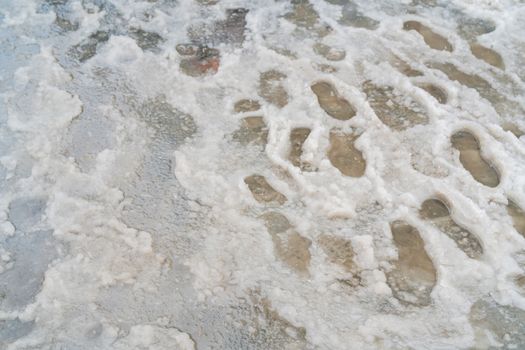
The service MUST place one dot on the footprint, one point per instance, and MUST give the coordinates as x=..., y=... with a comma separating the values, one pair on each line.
x=272, y=89
x=472, y=81
x=273, y=331
x=339, y=251
x=330, y=101
x=88, y=47
x=297, y=138
x=146, y=40
x=518, y=217
x=488, y=55
x=207, y=2
x=497, y=324
x=520, y=282
x=325, y=68
x=262, y=191
x=433, y=40
x=232, y=29
x=405, y=68
x=328, y=52
x=198, y=60
x=65, y=24
x=283, y=51
x=344, y=156
x=168, y=123
x=397, y=112
x=513, y=128
x=229, y=31
x=187, y=49
x=252, y=130
x=471, y=159
x=304, y=16
x=352, y=17
x=413, y=276
x=246, y=105
x=435, y=91
x=438, y=213
x=471, y=28
x=290, y=247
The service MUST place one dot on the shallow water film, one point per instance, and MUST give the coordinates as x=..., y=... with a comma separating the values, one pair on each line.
x=278, y=174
